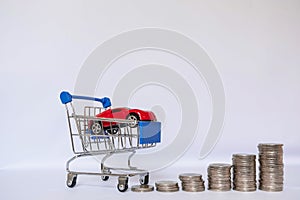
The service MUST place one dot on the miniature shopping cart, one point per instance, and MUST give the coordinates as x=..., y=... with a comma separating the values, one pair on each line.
x=96, y=136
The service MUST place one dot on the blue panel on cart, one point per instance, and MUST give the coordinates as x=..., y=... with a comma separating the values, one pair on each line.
x=150, y=132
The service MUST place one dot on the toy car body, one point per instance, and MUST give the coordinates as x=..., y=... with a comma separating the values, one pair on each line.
x=134, y=115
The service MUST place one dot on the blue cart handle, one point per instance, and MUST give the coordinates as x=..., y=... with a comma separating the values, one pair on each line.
x=66, y=97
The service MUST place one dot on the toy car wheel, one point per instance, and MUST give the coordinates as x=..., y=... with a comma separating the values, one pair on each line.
x=113, y=130
x=96, y=128
x=135, y=118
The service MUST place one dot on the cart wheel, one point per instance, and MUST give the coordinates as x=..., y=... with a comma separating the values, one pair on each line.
x=71, y=180
x=104, y=178
x=122, y=187
x=144, y=180
x=134, y=117
x=96, y=128
x=123, y=183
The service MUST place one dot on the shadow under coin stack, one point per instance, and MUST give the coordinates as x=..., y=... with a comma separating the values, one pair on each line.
x=192, y=182
x=271, y=167
x=167, y=186
x=244, y=172
x=219, y=177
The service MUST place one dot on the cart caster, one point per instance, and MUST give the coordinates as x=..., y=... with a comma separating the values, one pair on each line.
x=144, y=179
x=122, y=188
x=123, y=183
x=104, y=178
x=71, y=180
x=105, y=171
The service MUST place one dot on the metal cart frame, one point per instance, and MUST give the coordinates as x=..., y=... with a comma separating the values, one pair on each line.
x=93, y=136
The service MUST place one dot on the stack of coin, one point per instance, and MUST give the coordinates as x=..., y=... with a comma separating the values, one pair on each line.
x=271, y=167
x=142, y=188
x=192, y=182
x=219, y=177
x=167, y=186
x=244, y=172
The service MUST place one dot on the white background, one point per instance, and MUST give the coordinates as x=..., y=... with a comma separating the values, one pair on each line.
x=255, y=46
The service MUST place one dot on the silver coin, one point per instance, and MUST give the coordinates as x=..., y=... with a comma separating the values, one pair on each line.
x=167, y=189
x=270, y=145
x=219, y=165
x=142, y=188
x=192, y=180
x=193, y=189
x=245, y=189
x=193, y=183
x=271, y=188
x=190, y=174
x=166, y=184
x=219, y=189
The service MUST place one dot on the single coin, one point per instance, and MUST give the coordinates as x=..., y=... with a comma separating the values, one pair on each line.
x=165, y=183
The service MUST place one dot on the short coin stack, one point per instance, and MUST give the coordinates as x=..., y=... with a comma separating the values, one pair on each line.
x=219, y=177
x=142, y=188
x=167, y=186
x=271, y=167
x=192, y=182
x=244, y=172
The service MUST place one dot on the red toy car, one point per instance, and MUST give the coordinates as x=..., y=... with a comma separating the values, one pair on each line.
x=120, y=113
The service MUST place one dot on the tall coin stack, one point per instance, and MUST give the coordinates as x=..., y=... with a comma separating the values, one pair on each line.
x=219, y=177
x=271, y=167
x=244, y=172
x=192, y=182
